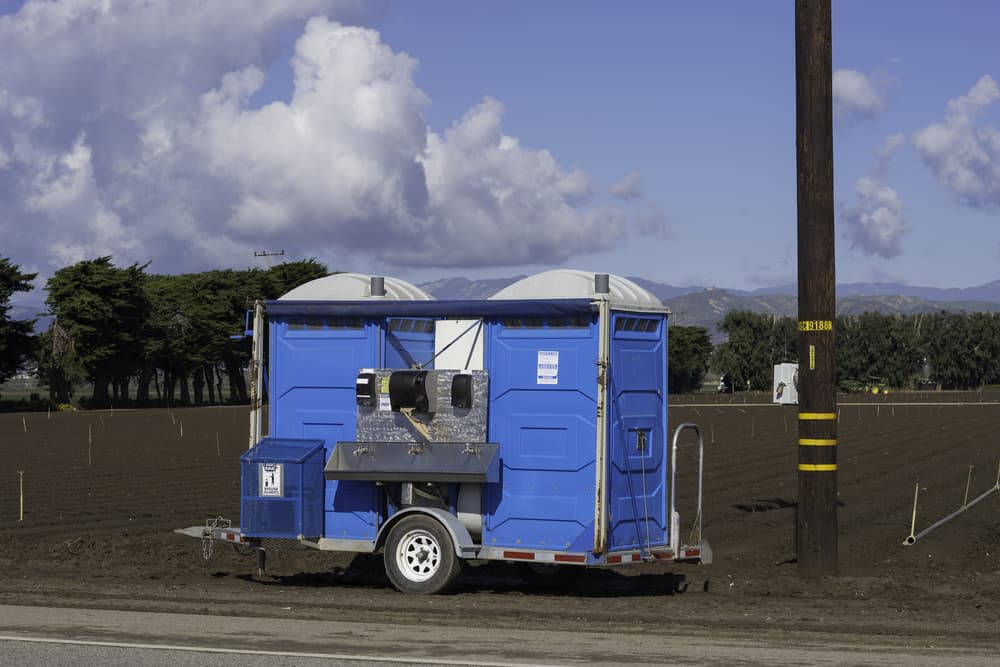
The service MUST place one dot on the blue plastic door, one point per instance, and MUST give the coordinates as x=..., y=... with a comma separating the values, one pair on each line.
x=543, y=410
x=314, y=365
x=637, y=450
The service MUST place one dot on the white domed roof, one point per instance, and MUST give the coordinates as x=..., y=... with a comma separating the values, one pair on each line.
x=354, y=287
x=574, y=284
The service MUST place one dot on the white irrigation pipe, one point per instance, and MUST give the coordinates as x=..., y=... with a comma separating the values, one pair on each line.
x=911, y=538
x=20, y=487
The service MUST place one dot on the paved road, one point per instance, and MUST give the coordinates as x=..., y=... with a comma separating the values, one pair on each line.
x=55, y=636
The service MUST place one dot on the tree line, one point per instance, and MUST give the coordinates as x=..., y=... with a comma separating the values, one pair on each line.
x=950, y=350
x=140, y=337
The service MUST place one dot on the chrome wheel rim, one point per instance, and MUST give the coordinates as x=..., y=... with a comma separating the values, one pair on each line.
x=418, y=555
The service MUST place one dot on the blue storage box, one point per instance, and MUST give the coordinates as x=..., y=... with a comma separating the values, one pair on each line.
x=282, y=489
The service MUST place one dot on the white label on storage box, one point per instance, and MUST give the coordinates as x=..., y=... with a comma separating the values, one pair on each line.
x=271, y=484
x=384, y=403
x=548, y=367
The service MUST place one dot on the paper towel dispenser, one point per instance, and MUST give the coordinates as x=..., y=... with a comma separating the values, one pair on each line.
x=412, y=390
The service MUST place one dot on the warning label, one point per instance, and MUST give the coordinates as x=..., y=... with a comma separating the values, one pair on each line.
x=271, y=484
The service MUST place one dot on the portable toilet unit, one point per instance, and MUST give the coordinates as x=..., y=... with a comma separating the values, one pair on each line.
x=785, y=389
x=544, y=441
x=579, y=403
x=314, y=358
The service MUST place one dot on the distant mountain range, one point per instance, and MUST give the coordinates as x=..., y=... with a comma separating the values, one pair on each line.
x=706, y=306
x=463, y=288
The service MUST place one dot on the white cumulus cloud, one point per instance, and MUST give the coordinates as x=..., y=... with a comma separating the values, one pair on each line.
x=95, y=100
x=855, y=96
x=889, y=147
x=629, y=187
x=963, y=157
x=876, y=224
x=129, y=129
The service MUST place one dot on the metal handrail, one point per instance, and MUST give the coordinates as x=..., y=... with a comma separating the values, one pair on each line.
x=696, y=529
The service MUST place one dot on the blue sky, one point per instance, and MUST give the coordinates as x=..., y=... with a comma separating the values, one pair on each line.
x=699, y=99
x=484, y=139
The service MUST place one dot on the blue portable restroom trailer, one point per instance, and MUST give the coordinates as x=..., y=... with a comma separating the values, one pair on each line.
x=530, y=427
x=314, y=362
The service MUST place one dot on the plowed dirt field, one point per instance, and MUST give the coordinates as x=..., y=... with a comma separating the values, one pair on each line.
x=104, y=491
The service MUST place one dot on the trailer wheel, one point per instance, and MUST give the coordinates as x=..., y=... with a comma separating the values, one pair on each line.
x=420, y=557
x=543, y=575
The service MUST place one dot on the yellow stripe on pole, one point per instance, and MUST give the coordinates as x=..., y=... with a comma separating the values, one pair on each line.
x=817, y=467
x=817, y=416
x=818, y=442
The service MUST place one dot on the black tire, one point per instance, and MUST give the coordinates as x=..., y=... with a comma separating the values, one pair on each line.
x=420, y=556
x=543, y=575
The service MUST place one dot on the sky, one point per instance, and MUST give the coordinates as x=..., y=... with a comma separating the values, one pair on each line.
x=438, y=138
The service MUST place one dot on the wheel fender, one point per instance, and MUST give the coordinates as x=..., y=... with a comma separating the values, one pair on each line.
x=460, y=537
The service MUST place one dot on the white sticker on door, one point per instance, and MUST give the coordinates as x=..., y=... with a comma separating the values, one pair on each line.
x=548, y=367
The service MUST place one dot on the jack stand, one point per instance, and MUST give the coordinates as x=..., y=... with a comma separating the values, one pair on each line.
x=261, y=570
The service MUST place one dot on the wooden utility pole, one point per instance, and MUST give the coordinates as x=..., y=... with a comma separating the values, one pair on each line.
x=816, y=518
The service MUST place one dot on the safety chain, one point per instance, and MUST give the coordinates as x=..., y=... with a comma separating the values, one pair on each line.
x=208, y=538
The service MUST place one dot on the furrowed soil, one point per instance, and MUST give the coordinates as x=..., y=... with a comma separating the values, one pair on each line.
x=104, y=491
